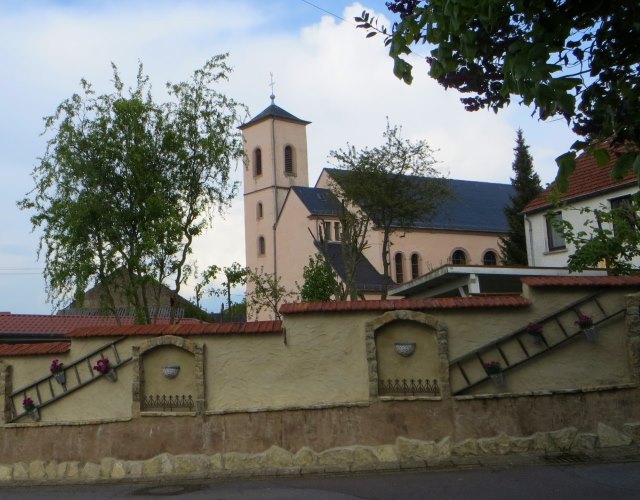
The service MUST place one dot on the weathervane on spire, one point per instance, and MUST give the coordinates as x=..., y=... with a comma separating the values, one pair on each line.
x=272, y=96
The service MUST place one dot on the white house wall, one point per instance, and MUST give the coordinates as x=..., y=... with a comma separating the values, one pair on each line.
x=536, y=229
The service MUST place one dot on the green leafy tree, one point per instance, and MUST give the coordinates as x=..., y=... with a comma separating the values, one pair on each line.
x=395, y=184
x=608, y=235
x=355, y=226
x=201, y=288
x=268, y=293
x=235, y=275
x=573, y=59
x=320, y=282
x=126, y=184
x=526, y=183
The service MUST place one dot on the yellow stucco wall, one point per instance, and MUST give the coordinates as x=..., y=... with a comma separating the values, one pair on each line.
x=322, y=360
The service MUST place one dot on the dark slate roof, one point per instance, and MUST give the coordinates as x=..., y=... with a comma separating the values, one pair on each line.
x=273, y=111
x=318, y=201
x=367, y=278
x=473, y=206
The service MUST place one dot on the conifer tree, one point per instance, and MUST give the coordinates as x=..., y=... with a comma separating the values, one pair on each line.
x=513, y=247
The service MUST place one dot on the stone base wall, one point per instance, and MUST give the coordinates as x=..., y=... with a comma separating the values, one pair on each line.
x=384, y=432
x=405, y=452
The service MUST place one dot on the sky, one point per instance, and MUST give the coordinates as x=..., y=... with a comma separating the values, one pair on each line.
x=325, y=71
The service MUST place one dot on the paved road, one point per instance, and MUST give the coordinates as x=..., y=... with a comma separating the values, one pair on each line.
x=585, y=482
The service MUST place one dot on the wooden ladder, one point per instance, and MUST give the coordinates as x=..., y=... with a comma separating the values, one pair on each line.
x=519, y=347
x=78, y=374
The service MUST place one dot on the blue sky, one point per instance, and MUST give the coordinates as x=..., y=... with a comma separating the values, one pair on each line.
x=325, y=72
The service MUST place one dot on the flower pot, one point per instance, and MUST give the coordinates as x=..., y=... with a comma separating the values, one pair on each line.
x=111, y=375
x=34, y=413
x=405, y=349
x=590, y=333
x=537, y=338
x=171, y=371
x=497, y=379
x=60, y=377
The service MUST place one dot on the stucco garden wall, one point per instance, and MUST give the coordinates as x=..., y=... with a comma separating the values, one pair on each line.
x=313, y=387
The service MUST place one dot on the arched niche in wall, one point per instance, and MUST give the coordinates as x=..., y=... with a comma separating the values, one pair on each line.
x=428, y=362
x=157, y=388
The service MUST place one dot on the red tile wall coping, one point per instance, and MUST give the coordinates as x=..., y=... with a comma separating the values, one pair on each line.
x=604, y=281
x=406, y=304
x=253, y=327
x=40, y=323
x=33, y=349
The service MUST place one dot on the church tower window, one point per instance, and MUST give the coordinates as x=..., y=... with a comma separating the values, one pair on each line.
x=262, y=246
x=288, y=160
x=257, y=162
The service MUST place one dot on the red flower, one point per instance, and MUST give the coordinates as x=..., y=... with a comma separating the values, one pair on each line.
x=102, y=365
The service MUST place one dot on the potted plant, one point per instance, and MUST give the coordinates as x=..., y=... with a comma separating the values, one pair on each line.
x=535, y=330
x=31, y=408
x=585, y=323
x=57, y=369
x=494, y=370
x=104, y=367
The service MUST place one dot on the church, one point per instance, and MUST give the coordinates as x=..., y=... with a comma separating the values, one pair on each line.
x=283, y=216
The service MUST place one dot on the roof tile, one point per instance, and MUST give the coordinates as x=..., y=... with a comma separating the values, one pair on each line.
x=34, y=349
x=588, y=178
x=601, y=281
x=410, y=304
x=178, y=330
x=39, y=323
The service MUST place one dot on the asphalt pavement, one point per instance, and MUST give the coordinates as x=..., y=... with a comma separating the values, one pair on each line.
x=584, y=481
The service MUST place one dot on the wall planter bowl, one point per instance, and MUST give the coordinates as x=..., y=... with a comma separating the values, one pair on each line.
x=111, y=375
x=171, y=371
x=497, y=379
x=405, y=349
x=60, y=377
x=34, y=413
x=591, y=334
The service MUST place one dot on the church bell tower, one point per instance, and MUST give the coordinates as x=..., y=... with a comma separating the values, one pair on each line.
x=275, y=144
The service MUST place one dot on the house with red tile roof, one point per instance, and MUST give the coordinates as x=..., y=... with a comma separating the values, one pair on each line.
x=32, y=334
x=590, y=186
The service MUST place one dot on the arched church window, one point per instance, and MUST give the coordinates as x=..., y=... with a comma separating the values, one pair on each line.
x=399, y=273
x=415, y=266
x=458, y=258
x=288, y=160
x=262, y=246
x=490, y=258
x=259, y=211
x=257, y=162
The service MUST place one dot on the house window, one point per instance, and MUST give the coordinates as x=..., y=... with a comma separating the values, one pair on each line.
x=288, y=160
x=490, y=258
x=257, y=162
x=415, y=266
x=262, y=246
x=555, y=240
x=458, y=258
x=622, y=214
x=326, y=227
x=336, y=231
x=399, y=273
